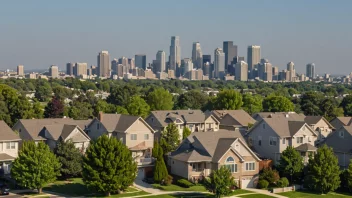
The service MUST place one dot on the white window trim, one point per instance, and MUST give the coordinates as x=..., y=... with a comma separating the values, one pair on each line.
x=133, y=135
x=245, y=166
x=235, y=166
x=270, y=138
x=298, y=138
x=146, y=135
x=283, y=140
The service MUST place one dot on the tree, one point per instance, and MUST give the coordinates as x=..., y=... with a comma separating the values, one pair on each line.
x=121, y=110
x=228, y=99
x=311, y=103
x=346, y=104
x=186, y=132
x=160, y=170
x=138, y=107
x=193, y=99
x=70, y=158
x=54, y=108
x=277, y=104
x=291, y=162
x=108, y=166
x=37, y=109
x=349, y=176
x=80, y=110
x=160, y=99
x=121, y=95
x=221, y=181
x=324, y=170
x=102, y=106
x=36, y=166
x=170, y=138
x=43, y=90
x=252, y=103
x=270, y=175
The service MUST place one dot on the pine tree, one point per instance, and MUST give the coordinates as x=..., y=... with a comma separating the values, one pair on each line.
x=35, y=166
x=324, y=170
x=70, y=158
x=160, y=170
x=108, y=166
x=170, y=138
x=185, y=133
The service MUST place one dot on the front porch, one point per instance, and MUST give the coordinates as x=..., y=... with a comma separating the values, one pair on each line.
x=5, y=164
x=306, y=150
x=142, y=155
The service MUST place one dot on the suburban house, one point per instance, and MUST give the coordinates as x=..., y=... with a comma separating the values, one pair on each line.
x=339, y=122
x=202, y=152
x=290, y=115
x=340, y=140
x=9, y=142
x=320, y=125
x=232, y=119
x=195, y=120
x=271, y=136
x=53, y=129
x=133, y=131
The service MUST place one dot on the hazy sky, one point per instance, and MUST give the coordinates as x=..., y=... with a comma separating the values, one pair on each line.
x=38, y=33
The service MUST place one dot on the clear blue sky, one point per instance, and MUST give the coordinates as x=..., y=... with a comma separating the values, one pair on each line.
x=38, y=33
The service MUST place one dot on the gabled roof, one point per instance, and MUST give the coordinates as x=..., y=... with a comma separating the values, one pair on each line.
x=6, y=133
x=241, y=117
x=62, y=131
x=288, y=115
x=338, y=143
x=187, y=116
x=345, y=120
x=5, y=157
x=306, y=147
x=312, y=120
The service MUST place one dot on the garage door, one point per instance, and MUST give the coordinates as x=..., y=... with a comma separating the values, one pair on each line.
x=140, y=174
x=248, y=182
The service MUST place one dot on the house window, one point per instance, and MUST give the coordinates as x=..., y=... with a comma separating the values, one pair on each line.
x=146, y=136
x=209, y=126
x=230, y=164
x=152, y=120
x=263, y=126
x=259, y=140
x=13, y=145
x=341, y=134
x=190, y=127
x=98, y=126
x=299, y=140
x=284, y=141
x=250, y=166
x=0, y=146
x=272, y=141
x=8, y=146
x=309, y=139
x=133, y=136
x=194, y=167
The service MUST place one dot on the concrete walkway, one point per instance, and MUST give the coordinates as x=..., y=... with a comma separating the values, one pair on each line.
x=265, y=192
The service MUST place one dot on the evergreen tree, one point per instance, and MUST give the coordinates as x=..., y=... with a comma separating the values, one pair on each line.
x=291, y=162
x=54, y=108
x=160, y=170
x=221, y=181
x=170, y=138
x=324, y=170
x=70, y=158
x=185, y=133
x=108, y=166
x=36, y=166
x=349, y=176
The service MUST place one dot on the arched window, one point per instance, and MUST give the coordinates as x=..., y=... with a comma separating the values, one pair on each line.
x=230, y=160
x=230, y=164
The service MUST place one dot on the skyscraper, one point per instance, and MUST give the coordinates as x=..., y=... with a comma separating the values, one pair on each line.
x=104, y=64
x=253, y=57
x=197, y=55
x=265, y=71
x=20, y=70
x=69, y=69
x=310, y=70
x=160, y=61
x=131, y=63
x=81, y=69
x=114, y=64
x=188, y=65
x=241, y=71
x=124, y=61
x=219, y=63
x=206, y=58
x=175, y=53
x=291, y=68
x=54, y=71
x=230, y=51
x=141, y=61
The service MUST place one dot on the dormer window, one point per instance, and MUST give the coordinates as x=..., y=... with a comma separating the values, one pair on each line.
x=263, y=126
x=153, y=120
x=341, y=134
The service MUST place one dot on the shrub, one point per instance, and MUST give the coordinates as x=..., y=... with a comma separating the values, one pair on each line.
x=184, y=183
x=262, y=184
x=270, y=175
x=283, y=182
x=167, y=181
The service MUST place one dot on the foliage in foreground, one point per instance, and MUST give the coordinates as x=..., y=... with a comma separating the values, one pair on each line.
x=221, y=182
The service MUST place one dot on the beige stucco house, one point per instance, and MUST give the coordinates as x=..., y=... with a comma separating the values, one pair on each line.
x=271, y=136
x=195, y=120
x=203, y=152
x=9, y=143
x=320, y=125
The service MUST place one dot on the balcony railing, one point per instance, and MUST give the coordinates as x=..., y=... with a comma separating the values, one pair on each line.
x=144, y=161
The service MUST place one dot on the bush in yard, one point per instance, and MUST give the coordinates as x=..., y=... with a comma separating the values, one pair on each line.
x=263, y=184
x=283, y=182
x=221, y=181
x=270, y=175
x=184, y=183
x=167, y=181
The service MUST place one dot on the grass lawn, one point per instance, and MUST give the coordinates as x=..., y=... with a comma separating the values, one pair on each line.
x=75, y=187
x=307, y=194
x=239, y=191
x=255, y=196
x=198, y=195
x=173, y=187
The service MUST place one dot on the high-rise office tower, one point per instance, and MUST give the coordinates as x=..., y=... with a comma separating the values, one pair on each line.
x=54, y=71
x=20, y=70
x=206, y=68
x=81, y=69
x=310, y=70
x=219, y=63
x=69, y=69
x=275, y=73
x=104, y=64
x=141, y=61
x=253, y=57
x=188, y=65
x=230, y=51
x=206, y=58
x=160, y=61
x=241, y=71
x=175, y=53
x=131, y=63
x=94, y=69
x=124, y=61
x=291, y=68
x=265, y=70
x=121, y=70
x=114, y=64
x=197, y=55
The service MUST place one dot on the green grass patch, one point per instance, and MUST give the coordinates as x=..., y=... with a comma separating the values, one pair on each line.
x=183, y=195
x=255, y=196
x=130, y=194
x=239, y=191
x=172, y=187
x=309, y=194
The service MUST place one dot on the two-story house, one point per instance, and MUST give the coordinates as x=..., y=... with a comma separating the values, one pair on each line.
x=9, y=142
x=232, y=119
x=195, y=120
x=133, y=131
x=271, y=136
x=320, y=125
x=202, y=152
x=339, y=122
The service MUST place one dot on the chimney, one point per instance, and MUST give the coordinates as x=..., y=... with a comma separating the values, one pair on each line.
x=100, y=116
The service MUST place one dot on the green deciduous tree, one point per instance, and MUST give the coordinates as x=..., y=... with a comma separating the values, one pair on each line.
x=170, y=138
x=324, y=170
x=277, y=104
x=160, y=99
x=291, y=162
x=108, y=166
x=54, y=108
x=228, y=99
x=221, y=181
x=346, y=104
x=349, y=176
x=193, y=99
x=121, y=95
x=102, y=106
x=252, y=103
x=138, y=107
x=186, y=132
x=36, y=166
x=270, y=175
x=70, y=158
x=121, y=110
x=160, y=170
x=43, y=90
x=80, y=110
x=311, y=103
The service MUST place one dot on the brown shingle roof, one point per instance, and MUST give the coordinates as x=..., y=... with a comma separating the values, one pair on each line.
x=289, y=115
x=284, y=127
x=117, y=122
x=6, y=133
x=188, y=116
x=242, y=117
x=306, y=147
x=6, y=157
